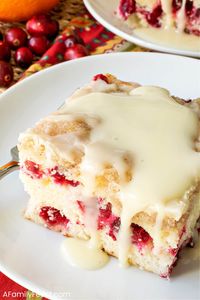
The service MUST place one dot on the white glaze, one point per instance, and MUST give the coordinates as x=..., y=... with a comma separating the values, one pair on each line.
x=167, y=8
x=170, y=37
x=181, y=18
x=80, y=254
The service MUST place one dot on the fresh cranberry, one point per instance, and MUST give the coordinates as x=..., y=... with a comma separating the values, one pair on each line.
x=73, y=39
x=42, y=25
x=5, y=52
x=52, y=216
x=100, y=76
x=38, y=44
x=6, y=74
x=53, y=29
x=140, y=237
x=81, y=205
x=106, y=218
x=32, y=169
x=23, y=57
x=61, y=179
x=153, y=18
x=126, y=8
x=76, y=51
x=16, y=37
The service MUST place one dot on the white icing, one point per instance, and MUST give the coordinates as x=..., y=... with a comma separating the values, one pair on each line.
x=167, y=8
x=80, y=254
x=170, y=37
x=181, y=17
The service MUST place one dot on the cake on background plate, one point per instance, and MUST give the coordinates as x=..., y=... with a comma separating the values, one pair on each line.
x=182, y=15
x=118, y=164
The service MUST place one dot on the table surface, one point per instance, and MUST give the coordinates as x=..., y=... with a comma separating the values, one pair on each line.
x=71, y=15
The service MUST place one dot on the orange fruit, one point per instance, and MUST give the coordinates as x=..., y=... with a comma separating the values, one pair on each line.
x=21, y=10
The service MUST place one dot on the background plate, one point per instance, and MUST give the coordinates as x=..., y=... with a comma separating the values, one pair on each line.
x=103, y=11
x=30, y=254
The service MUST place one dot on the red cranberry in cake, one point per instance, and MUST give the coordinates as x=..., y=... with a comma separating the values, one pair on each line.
x=32, y=169
x=100, y=76
x=153, y=18
x=107, y=219
x=105, y=213
x=176, y=5
x=114, y=227
x=126, y=8
x=190, y=7
x=139, y=236
x=52, y=216
x=61, y=179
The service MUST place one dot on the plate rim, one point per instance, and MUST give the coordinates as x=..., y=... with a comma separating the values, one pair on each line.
x=136, y=40
x=91, y=57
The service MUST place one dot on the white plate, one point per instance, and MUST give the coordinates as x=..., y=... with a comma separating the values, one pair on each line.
x=103, y=11
x=30, y=254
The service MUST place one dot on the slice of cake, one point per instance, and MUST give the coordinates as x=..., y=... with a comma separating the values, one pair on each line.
x=183, y=15
x=118, y=164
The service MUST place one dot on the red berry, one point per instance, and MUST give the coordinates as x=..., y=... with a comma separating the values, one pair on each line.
x=127, y=7
x=76, y=51
x=153, y=18
x=16, y=37
x=72, y=40
x=61, y=179
x=176, y=5
x=38, y=44
x=42, y=25
x=53, y=29
x=32, y=169
x=52, y=216
x=100, y=76
x=140, y=237
x=107, y=219
x=23, y=57
x=5, y=52
x=6, y=74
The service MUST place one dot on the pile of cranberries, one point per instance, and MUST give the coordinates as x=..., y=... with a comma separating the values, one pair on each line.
x=34, y=41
